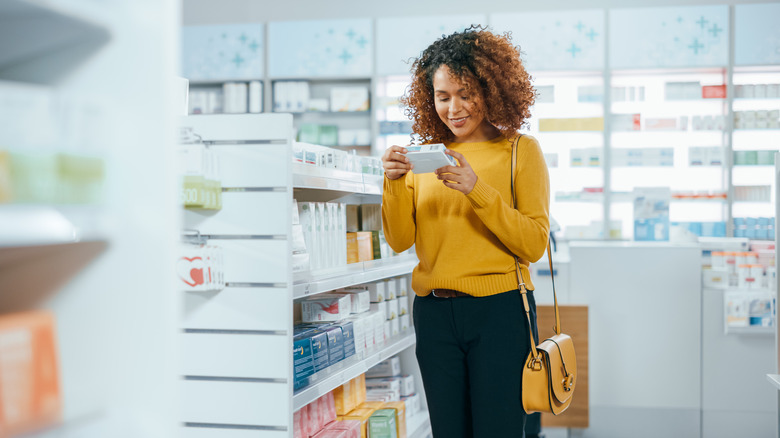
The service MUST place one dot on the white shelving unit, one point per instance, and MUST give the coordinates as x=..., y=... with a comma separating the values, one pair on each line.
x=237, y=342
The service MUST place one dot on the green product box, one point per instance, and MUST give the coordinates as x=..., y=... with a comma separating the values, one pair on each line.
x=329, y=135
x=382, y=424
x=376, y=245
x=193, y=191
x=309, y=133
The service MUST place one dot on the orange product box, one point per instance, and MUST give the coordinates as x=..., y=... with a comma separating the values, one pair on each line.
x=373, y=405
x=361, y=387
x=345, y=399
x=361, y=415
x=29, y=375
x=365, y=246
x=353, y=255
x=400, y=416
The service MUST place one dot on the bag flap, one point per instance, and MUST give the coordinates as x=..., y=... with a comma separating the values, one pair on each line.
x=561, y=360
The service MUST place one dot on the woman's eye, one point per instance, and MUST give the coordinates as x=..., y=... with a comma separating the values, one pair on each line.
x=465, y=98
x=444, y=99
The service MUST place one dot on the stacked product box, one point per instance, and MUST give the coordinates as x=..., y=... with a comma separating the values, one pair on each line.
x=386, y=382
x=318, y=419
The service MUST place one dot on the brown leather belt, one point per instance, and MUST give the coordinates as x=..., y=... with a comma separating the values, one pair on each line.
x=448, y=293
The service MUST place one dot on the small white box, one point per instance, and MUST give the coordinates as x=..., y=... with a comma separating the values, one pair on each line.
x=403, y=306
x=390, y=367
x=384, y=383
x=326, y=308
x=377, y=291
x=379, y=329
x=412, y=403
x=391, y=289
x=407, y=385
x=388, y=330
x=392, y=309
x=361, y=299
x=395, y=327
x=359, y=329
x=428, y=157
x=382, y=395
x=380, y=307
x=349, y=99
x=403, y=322
x=715, y=278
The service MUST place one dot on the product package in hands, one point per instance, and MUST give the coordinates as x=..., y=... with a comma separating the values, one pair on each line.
x=429, y=157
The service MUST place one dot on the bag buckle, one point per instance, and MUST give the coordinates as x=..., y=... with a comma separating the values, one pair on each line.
x=568, y=382
x=536, y=363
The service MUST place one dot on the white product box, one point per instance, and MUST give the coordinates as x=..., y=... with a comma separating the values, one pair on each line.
x=390, y=367
x=379, y=328
x=383, y=396
x=404, y=322
x=384, y=383
x=395, y=327
x=392, y=309
x=715, y=278
x=361, y=299
x=377, y=291
x=403, y=306
x=412, y=403
x=388, y=330
x=349, y=99
x=428, y=157
x=390, y=287
x=407, y=385
x=380, y=307
x=359, y=328
x=326, y=308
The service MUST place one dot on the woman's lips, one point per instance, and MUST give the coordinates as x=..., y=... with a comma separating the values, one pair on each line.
x=458, y=122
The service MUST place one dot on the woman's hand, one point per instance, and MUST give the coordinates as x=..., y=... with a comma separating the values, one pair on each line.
x=461, y=177
x=395, y=163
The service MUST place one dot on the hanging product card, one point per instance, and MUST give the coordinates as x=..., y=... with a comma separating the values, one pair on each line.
x=687, y=36
x=559, y=40
x=320, y=48
x=201, y=268
x=651, y=213
x=223, y=52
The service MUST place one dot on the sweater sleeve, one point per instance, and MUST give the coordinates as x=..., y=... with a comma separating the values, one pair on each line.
x=398, y=212
x=524, y=231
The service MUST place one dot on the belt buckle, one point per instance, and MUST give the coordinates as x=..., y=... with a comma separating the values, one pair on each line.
x=433, y=292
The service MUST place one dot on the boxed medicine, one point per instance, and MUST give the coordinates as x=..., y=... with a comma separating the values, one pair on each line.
x=359, y=332
x=348, y=335
x=379, y=329
x=319, y=350
x=390, y=367
x=303, y=362
x=326, y=308
x=400, y=416
x=392, y=308
x=361, y=415
x=403, y=306
x=376, y=291
x=384, y=383
x=350, y=428
x=335, y=345
x=361, y=298
x=382, y=424
x=380, y=307
x=391, y=288
x=412, y=404
x=345, y=398
x=395, y=327
x=407, y=385
x=404, y=322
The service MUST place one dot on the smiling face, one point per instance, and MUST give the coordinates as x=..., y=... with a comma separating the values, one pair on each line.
x=459, y=109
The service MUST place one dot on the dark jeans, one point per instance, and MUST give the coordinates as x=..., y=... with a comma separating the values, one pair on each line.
x=471, y=353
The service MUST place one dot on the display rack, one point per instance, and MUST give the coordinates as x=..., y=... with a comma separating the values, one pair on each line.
x=229, y=335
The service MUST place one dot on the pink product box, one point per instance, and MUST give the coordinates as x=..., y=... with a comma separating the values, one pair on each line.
x=320, y=412
x=326, y=308
x=350, y=427
x=331, y=433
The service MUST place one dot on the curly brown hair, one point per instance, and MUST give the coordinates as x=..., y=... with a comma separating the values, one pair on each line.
x=491, y=71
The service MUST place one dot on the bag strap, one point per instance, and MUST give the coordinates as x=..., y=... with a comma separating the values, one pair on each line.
x=519, y=273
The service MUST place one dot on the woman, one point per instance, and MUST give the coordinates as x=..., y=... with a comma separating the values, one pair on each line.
x=471, y=92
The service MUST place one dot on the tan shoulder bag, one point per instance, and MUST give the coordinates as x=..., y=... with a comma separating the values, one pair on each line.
x=549, y=372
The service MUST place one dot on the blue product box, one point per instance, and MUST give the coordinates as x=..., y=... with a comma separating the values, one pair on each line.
x=335, y=344
x=652, y=229
x=303, y=361
x=319, y=349
x=348, y=334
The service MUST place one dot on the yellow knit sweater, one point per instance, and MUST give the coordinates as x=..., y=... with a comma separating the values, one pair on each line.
x=466, y=242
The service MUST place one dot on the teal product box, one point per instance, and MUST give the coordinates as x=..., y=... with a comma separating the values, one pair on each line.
x=381, y=424
x=303, y=362
x=319, y=349
x=335, y=344
x=348, y=335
